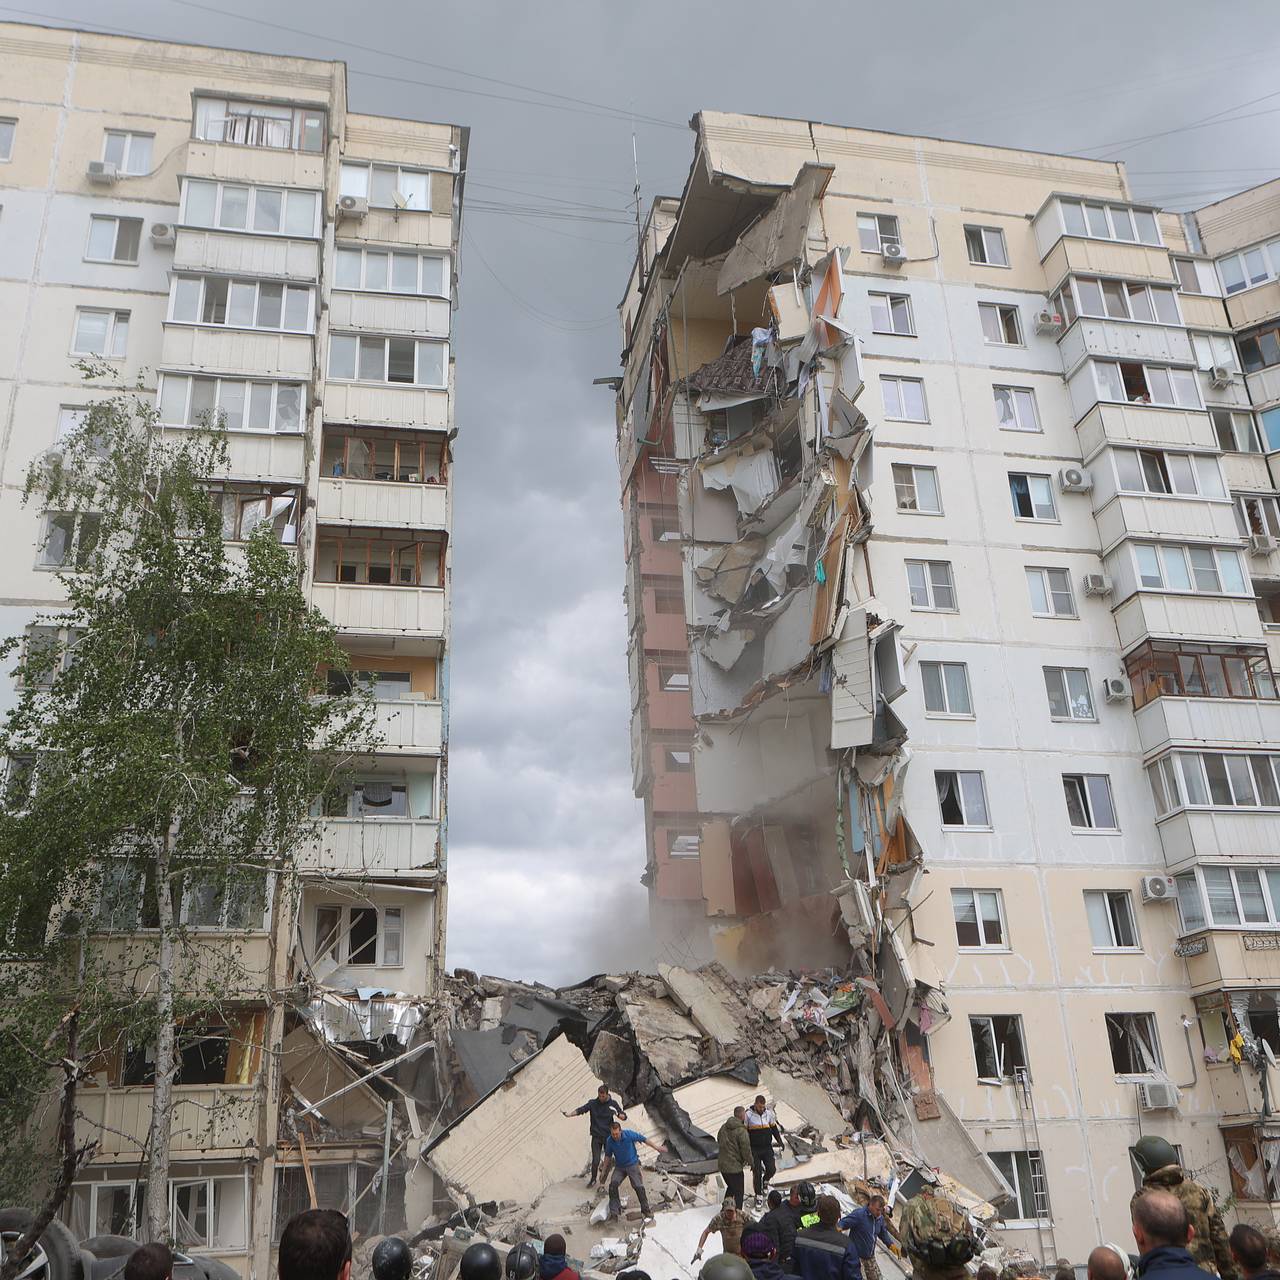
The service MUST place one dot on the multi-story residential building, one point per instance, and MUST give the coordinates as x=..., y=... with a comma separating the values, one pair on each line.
x=222, y=229
x=951, y=537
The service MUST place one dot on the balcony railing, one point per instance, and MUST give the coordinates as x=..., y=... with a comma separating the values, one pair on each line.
x=384, y=503
x=373, y=846
x=381, y=610
x=208, y=1120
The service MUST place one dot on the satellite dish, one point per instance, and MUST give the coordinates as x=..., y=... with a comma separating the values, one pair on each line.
x=399, y=200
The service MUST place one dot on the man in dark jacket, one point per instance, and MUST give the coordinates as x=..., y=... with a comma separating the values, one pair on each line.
x=781, y=1223
x=823, y=1252
x=554, y=1265
x=602, y=1109
x=1249, y=1252
x=1160, y=1230
x=734, y=1154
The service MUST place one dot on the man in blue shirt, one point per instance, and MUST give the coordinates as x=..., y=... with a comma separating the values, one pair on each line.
x=865, y=1226
x=621, y=1156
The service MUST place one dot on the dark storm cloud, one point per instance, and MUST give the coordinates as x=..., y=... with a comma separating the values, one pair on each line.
x=546, y=841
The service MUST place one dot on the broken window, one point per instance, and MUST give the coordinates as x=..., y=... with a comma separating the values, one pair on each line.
x=394, y=454
x=903, y=398
x=1016, y=409
x=1089, y=803
x=1000, y=324
x=1264, y=1024
x=668, y=600
x=1260, y=350
x=677, y=760
x=235, y=901
x=962, y=798
x=1258, y=515
x=673, y=679
x=998, y=1046
x=380, y=559
x=946, y=688
x=1236, y=432
x=986, y=246
x=1111, y=922
x=916, y=489
x=891, y=313
x=931, y=585
x=260, y=124
x=243, y=510
x=202, y=1050
x=684, y=843
x=1135, y=1049
x=384, y=686
x=979, y=916
x=1024, y=1172
x=69, y=539
x=1069, y=694
x=875, y=230
x=1032, y=496
x=359, y=935
x=1173, y=668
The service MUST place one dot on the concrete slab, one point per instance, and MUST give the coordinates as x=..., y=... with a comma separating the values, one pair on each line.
x=865, y=1161
x=669, y=1039
x=670, y=1240
x=808, y=1097
x=710, y=1102
x=699, y=999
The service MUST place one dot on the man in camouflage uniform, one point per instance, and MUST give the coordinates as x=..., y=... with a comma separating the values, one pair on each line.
x=1160, y=1168
x=936, y=1237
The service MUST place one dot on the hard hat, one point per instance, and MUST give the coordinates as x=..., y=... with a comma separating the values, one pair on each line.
x=1152, y=1153
x=807, y=1194
x=522, y=1262
x=392, y=1259
x=726, y=1266
x=480, y=1262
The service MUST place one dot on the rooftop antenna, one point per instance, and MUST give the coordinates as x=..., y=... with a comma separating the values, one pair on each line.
x=635, y=164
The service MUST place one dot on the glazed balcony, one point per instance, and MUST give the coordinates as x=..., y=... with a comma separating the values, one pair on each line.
x=373, y=847
x=242, y=254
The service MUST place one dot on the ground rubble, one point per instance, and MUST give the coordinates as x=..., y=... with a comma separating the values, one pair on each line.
x=680, y=1049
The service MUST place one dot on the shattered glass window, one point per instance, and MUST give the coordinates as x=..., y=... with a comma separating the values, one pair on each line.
x=1135, y=1048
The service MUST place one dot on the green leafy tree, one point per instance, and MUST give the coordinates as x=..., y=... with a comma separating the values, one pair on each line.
x=166, y=746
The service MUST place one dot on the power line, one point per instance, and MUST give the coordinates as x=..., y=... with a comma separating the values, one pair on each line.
x=1203, y=122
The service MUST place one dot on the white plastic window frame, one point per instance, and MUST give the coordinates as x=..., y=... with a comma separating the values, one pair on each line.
x=250, y=214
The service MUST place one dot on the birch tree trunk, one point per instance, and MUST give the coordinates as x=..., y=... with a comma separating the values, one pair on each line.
x=155, y=1216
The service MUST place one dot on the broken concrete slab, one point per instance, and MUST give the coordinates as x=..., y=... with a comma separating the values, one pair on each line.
x=946, y=1144
x=612, y=1061
x=867, y=1160
x=320, y=1078
x=668, y=1038
x=696, y=995
x=807, y=1097
x=670, y=1240
x=711, y=1100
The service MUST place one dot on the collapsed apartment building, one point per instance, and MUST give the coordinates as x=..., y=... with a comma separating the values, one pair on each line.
x=950, y=530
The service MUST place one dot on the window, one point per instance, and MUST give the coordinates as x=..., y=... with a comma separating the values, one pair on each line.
x=979, y=916
x=1000, y=324
x=1214, y=350
x=355, y=936
x=1109, y=222
x=377, y=798
x=1051, y=595
x=395, y=454
x=8, y=127
x=931, y=585
x=1203, y=779
x=998, y=1047
x=668, y=600
x=385, y=559
x=410, y=361
x=677, y=760
x=1205, y=570
x=72, y=418
x=129, y=152
x=100, y=333
x=875, y=230
x=673, y=679
x=1089, y=803
x=247, y=508
x=946, y=689
x=384, y=686
x=185, y=400
x=962, y=798
x=891, y=313
x=1190, y=902
x=1260, y=350
x=260, y=124
x=1016, y=409
x=386, y=186
x=52, y=648
x=1235, y=896
x=204, y=1213
x=241, y=304
x=1131, y=383
x=1024, y=1172
x=903, y=398
x=916, y=488
x=1111, y=922
x=1069, y=694
x=1188, y=274
x=232, y=206
x=113, y=239
x=1032, y=497
x=986, y=246
x=1121, y=300
x=1236, y=432
x=684, y=844
x=1185, y=669
x=69, y=540
x=1250, y=268
x=1258, y=514
x=1154, y=471
x=237, y=902
x=1135, y=1048
x=387, y=271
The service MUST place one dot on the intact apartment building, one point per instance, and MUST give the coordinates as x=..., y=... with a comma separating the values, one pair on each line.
x=951, y=530
x=224, y=228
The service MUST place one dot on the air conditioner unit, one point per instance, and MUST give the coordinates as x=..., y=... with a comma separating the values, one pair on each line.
x=1159, y=1095
x=1048, y=321
x=101, y=171
x=162, y=233
x=1157, y=889
x=892, y=253
x=1261, y=544
x=1074, y=480
x=1097, y=584
x=1115, y=689
x=1221, y=376
x=353, y=207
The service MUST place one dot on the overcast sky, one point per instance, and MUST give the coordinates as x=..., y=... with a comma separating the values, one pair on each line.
x=546, y=842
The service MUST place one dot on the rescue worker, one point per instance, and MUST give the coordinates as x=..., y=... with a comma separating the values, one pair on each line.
x=733, y=1157
x=765, y=1133
x=730, y=1223
x=780, y=1224
x=392, y=1259
x=603, y=1111
x=724, y=1266
x=865, y=1225
x=823, y=1252
x=1161, y=1229
x=555, y=1261
x=936, y=1237
x=480, y=1262
x=621, y=1156
x=804, y=1202
x=522, y=1262
x=1161, y=1171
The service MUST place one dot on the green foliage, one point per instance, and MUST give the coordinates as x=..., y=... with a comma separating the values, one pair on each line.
x=170, y=739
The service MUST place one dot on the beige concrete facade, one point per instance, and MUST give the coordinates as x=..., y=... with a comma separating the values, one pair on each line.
x=337, y=233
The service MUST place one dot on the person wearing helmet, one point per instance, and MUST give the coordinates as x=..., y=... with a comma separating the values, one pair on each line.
x=392, y=1259
x=805, y=1200
x=480, y=1262
x=522, y=1262
x=555, y=1262
x=725, y=1266
x=936, y=1236
x=1162, y=1171
x=823, y=1252
x=730, y=1223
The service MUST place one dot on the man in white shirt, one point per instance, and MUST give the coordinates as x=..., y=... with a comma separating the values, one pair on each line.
x=764, y=1132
